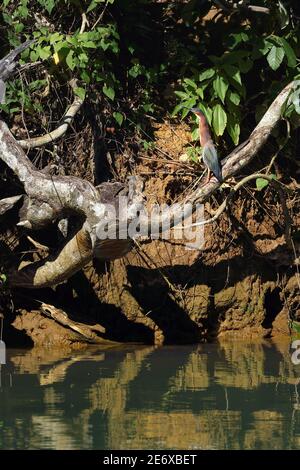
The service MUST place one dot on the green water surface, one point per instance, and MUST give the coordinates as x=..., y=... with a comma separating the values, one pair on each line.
x=230, y=395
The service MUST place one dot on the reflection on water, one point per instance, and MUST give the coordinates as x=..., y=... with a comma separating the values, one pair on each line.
x=231, y=395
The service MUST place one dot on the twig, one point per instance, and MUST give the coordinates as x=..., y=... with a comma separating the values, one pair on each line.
x=101, y=16
x=258, y=9
x=59, y=131
x=241, y=183
x=38, y=245
x=84, y=23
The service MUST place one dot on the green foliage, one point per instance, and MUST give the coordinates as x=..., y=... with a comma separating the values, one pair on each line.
x=91, y=55
x=262, y=183
x=130, y=51
x=252, y=60
x=17, y=97
x=194, y=154
x=292, y=104
x=118, y=118
x=295, y=326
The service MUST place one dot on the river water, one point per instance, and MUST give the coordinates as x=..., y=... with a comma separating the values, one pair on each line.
x=229, y=395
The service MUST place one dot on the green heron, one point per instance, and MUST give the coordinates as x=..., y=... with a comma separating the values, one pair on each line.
x=209, y=153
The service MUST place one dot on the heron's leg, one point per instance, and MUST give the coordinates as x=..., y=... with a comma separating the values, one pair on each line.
x=208, y=176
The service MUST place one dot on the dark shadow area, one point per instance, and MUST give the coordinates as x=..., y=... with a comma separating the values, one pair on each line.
x=273, y=305
x=155, y=299
x=14, y=337
x=86, y=307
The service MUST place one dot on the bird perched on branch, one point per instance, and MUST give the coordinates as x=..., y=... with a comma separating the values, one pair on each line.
x=8, y=65
x=209, y=153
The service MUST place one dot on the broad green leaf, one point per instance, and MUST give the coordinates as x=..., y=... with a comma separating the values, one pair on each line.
x=19, y=27
x=33, y=56
x=233, y=129
x=92, y=6
x=294, y=101
x=184, y=113
x=195, y=134
x=73, y=40
x=295, y=326
x=148, y=108
x=219, y=120
x=23, y=11
x=233, y=97
x=95, y=3
x=176, y=110
x=237, y=77
x=220, y=86
x=118, y=117
x=70, y=60
x=207, y=112
x=200, y=92
x=85, y=76
x=262, y=183
x=44, y=52
x=264, y=46
x=206, y=74
x=89, y=44
x=109, y=91
x=47, y=4
x=190, y=83
x=83, y=59
x=275, y=57
x=234, y=78
x=238, y=38
x=59, y=45
x=182, y=94
x=289, y=52
x=55, y=37
x=189, y=103
x=79, y=91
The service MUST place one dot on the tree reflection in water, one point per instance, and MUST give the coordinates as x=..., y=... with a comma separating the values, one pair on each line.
x=230, y=395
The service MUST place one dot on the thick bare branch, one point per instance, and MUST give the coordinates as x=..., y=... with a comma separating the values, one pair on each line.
x=76, y=254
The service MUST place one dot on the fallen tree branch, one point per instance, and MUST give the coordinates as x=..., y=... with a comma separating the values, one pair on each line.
x=59, y=131
x=85, y=331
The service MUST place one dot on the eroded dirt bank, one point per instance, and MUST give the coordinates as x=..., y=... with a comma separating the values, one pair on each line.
x=243, y=282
